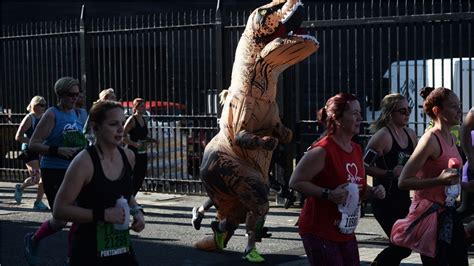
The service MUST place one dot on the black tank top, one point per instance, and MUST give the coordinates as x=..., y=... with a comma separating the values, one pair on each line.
x=100, y=193
x=388, y=161
x=138, y=132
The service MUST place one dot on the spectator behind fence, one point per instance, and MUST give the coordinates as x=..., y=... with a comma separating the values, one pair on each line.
x=331, y=175
x=433, y=227
x=94, y=181
x=136, y=138
x=386, y=153
x=58, y=137
x=25, y=130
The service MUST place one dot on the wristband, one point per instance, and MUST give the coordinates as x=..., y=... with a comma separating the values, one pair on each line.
x=325, y=194
x=135, y=209
x=53, y=150
x=98, y=214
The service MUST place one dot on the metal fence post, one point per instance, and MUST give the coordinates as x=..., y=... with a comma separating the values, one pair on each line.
x=83, y=54
x=219, y=55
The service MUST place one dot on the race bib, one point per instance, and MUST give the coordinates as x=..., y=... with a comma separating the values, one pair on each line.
x=349, y=222
x=111, y=242
x=74, y=139
x=142, y=147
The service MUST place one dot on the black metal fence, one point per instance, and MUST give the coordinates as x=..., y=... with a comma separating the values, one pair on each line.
x=181, y=60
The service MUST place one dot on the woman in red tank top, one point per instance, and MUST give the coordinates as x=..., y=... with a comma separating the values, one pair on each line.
x=433, y=227
x=327, y=175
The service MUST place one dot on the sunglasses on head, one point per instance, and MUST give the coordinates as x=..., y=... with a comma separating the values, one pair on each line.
x=71, y=94
x=403, y=111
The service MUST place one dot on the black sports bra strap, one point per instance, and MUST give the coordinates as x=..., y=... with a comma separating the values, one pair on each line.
x=410, y=141
x=94, y=156
x=391, y=133
x=125, y=159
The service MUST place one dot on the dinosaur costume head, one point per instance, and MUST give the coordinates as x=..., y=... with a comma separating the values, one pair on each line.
x=235, y=163
x=276, y=19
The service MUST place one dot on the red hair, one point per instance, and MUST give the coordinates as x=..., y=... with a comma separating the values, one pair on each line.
x=334, y=109
x=434, y=97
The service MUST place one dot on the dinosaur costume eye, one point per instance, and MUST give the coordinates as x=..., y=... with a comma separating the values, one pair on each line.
x=263, y=12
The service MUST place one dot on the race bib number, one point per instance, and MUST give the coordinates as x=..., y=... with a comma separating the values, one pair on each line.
x=111, y=242
x=349, y=222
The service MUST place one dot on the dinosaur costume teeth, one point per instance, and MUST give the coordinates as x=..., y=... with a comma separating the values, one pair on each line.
x=291, y=12
x=236, y=161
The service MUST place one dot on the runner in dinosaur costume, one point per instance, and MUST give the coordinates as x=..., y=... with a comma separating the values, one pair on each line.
x=236, y=161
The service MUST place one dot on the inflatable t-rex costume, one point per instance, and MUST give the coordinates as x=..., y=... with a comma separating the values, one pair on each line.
x=236, y=161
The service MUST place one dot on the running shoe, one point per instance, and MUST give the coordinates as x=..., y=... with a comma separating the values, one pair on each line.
x=18, y=193
x=219, y=237
x=40, y=206
x=31, y=250
x=252, y=255
x=197, y=218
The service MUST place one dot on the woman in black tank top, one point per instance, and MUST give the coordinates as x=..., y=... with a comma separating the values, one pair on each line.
x=96, y=179
x=394, y=143
x=136, y=138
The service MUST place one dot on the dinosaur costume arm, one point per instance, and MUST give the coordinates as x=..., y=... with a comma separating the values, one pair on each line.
x=240, y=124
x=282, y=133
x=250, y=141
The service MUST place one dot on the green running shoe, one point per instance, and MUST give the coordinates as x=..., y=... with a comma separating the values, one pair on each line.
x=253, y=256
x=219, y=237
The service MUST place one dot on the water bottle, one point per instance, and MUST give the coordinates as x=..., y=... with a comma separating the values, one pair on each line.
x=122, y=203
x=453, y=191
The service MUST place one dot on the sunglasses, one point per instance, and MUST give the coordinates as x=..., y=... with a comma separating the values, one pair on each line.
x=41, y=105
x=403, y=111
x=71, y=94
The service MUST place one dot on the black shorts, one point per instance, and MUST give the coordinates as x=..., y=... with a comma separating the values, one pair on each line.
x=52, y=179
x=29, y=156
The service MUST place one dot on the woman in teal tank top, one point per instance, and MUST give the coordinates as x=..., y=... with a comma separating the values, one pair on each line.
x=58, y=138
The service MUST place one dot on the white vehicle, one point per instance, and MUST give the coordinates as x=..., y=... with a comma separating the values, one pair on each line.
x=409, y=77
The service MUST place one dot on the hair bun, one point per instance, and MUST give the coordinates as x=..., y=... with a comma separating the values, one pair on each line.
x=322, y=114
x=425, y=92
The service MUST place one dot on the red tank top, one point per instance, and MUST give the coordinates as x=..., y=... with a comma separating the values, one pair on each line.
x=321, y=217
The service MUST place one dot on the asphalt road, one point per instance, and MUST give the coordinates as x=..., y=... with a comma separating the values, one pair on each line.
x=168, y=237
